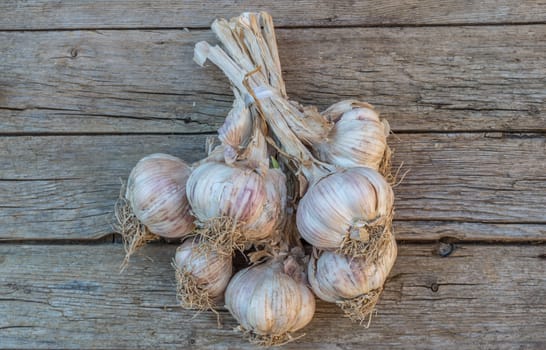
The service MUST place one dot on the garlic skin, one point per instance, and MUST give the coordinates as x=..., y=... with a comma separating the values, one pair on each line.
x=357, y=138
x=268, y=302
x=335, y=277
x=236, y=132
x=156, y=192
x=343, y=206
x=209, y=273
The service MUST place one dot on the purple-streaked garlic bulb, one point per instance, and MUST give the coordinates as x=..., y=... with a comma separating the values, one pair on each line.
x=357, y=137
x=271, y=300
x=241, y=201
x=201, y=275
x=218, y=190
x=355, y=284
x=346, y=211
x=156, y=192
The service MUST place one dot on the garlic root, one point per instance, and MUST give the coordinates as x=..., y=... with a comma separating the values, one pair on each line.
x=134, y=234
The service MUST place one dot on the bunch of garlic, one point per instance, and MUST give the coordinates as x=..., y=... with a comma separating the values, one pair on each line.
x=347, y=203
x=282, y=172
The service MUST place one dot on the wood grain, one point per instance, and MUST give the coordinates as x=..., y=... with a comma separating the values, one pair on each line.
x=41, y=14
x=420, y=79
x=64, y=187
x=456, y=231
x=72, y=296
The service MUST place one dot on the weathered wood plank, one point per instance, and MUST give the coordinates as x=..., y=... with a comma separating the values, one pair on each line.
x=463, y=78
x=41, y=14
x=467, y=231
x=64, y=187
x=491, y=177
x=72, y=296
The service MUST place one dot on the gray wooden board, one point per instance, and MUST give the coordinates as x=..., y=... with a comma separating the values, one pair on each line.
x=72, y=296
x=42, y=14
x=420, y=79
x=64, y=187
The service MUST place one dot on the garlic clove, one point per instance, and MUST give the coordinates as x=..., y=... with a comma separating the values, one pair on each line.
x=307, y=310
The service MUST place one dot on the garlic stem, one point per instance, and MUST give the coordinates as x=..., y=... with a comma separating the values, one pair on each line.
x=310, y=127
x=270, y=38
x=272, y=107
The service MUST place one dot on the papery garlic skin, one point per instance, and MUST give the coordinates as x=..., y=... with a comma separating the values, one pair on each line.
x=210, y=271
x=336, y=277
x=339, y=204
x=156, y=192
x=267, y=301
x=357, y=138
x=236, y=131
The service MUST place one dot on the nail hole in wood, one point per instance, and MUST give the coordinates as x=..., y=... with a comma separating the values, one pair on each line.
x=445, y=249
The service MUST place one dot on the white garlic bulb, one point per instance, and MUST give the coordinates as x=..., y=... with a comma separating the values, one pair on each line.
x=354, y=283
x=270, y=301
x=346, y=210
x=156, y=192
x=202, y=275
x=358, y=137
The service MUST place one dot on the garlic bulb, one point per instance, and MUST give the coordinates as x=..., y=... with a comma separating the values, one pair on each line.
x=353, y=283
x=202, y=276
x=236, y=205
x=358, y=137
x=156, y=192
x=241, y=201
x=348, y=210
x=270, y=300
x=218, y=190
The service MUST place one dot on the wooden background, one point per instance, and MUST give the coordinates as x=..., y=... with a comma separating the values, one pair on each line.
x=89, y=87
